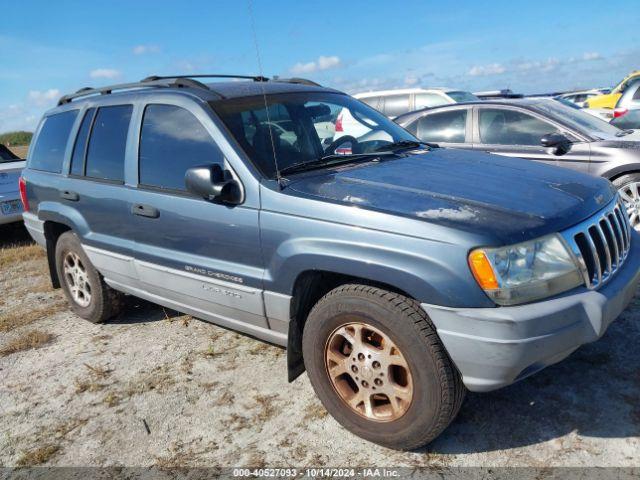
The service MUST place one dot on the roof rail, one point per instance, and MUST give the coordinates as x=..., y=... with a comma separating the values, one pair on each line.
x=297, y=80
x=255, y=78
x=146, y=83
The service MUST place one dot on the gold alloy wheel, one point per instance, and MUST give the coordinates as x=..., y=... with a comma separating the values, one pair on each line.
x=368, y=371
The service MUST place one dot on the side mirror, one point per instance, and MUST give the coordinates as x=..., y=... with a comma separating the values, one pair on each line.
x=559, y=142
x=213, y=183
x=554, y=140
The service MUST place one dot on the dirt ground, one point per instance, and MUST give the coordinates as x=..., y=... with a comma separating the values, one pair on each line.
x=156, y=388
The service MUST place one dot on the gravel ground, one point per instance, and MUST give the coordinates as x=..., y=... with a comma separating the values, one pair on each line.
x=153, y=387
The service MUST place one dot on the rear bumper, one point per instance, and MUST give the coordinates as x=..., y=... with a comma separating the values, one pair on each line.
x=494, y=347
x=35, y=227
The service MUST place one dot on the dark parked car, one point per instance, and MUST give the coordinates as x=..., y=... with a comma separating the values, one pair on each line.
x=538, y=129
x=398, y=275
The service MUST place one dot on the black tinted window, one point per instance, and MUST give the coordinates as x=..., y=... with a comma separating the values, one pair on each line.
x=80, y=147
x=442, y=127
x=105, y=154
x=395, y=105
x=508, y=127
x=636, y=94
x=173, y=140
x=48, y=152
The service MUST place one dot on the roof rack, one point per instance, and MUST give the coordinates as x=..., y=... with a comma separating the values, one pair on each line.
x=174, y=81
x=297, y=80
x=255, y=78
x=146, y=83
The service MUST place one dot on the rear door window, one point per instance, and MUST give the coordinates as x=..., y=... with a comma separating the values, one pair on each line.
x=442, y=127
x=426, y=100
x=80, y=147
x=107, y=145
x=172, y=141
x=48, y=151
x=374, y=102
x=395, y=105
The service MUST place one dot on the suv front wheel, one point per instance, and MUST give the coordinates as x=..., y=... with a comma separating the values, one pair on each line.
x=378, y=366
x=88, y=295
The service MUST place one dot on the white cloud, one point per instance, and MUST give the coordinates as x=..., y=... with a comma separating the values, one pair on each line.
x=104, y=73
x=486, y=70
x=43, y=98
x=590, y=56
x=142, y=49
x=322, y=63
x=411, y=80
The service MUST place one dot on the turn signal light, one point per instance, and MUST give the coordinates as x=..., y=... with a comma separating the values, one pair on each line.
x=482, y=270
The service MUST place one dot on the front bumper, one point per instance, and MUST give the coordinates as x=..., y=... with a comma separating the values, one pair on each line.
x=494, y=347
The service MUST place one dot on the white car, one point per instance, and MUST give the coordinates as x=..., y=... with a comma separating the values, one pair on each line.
x=580, y=97
x=393, y=103
x=10, y=169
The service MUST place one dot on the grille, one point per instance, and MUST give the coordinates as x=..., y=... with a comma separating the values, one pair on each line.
x=601, y=243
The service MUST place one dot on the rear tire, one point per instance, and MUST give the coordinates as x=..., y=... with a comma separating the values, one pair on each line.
x=87, y=293
x=413, y=394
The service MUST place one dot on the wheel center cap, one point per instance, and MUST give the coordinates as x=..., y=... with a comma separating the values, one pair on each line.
x=366, y=372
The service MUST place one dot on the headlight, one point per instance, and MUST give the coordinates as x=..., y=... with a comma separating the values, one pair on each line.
x=526, y=271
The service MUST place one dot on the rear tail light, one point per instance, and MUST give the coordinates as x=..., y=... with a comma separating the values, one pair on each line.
x=22, y=183
x=619, y=112
x=339, y=124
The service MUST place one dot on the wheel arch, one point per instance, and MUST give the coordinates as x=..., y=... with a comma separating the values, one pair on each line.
x=309, y=287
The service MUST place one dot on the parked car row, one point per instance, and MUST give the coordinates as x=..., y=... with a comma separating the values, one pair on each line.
x=551, y=129
x=397, y=273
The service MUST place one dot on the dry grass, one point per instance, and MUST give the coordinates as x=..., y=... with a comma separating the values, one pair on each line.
x=14, y=254
x=33, y=339
x=22, y=316
x=20, y=150
x=38, y=455
x=314, y=411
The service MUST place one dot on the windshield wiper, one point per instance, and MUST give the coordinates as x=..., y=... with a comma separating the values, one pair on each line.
x=404, y=144
x=330, y=160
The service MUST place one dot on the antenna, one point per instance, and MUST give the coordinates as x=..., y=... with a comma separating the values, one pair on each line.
x=264, y=95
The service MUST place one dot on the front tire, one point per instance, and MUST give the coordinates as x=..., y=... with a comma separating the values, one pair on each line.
x=88, y=295
x=378, y=366
x=628, y=187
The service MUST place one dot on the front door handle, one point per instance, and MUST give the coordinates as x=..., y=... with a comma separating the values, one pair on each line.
x=145, y=210
x=69, y=195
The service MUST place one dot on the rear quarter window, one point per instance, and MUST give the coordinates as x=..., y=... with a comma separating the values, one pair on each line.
x=49, y=148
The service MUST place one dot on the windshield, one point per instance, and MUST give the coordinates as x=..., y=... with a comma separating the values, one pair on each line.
x=463, y=97
x=578, y=119
x=303, y=127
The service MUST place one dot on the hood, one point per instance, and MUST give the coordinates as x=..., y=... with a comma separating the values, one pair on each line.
x=506, y=199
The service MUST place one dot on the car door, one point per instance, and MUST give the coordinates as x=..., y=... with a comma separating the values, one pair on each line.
x=203, y=257
x=447, y=128
x=96, y=188
x=516, y=132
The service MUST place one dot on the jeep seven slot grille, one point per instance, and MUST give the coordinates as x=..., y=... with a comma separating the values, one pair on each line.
x=601, y=243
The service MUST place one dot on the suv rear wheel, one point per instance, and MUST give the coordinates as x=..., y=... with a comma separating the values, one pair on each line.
x=88, y=295
x=376, y=363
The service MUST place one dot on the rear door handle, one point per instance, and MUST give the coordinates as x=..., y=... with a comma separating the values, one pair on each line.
x=145, y=210
x=69, y=195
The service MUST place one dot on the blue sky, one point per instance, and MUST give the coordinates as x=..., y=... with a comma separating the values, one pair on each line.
x=48, y=48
